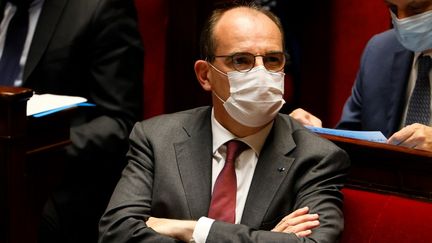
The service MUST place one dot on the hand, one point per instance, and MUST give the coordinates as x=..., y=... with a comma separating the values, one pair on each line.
x=305, y=118
x=298, y=222
x=416, y=136
x=178, y=229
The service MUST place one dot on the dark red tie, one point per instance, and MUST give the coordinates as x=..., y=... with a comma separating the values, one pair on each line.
x=223, y=202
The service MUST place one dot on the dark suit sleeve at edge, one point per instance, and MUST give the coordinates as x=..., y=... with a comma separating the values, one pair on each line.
x=115, y=80
x=352, y=110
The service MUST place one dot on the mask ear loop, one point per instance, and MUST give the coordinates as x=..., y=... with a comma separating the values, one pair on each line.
x=219, y=71
x=217, y=96
x=215, y=68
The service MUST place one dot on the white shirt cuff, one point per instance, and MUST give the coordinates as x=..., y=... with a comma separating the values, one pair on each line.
x=202, y=229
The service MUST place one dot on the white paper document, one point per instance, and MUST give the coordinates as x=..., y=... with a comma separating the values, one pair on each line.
x=39, y=104
x=373, y=136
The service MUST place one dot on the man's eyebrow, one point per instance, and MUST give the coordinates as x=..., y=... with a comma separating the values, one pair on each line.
x=418, y=4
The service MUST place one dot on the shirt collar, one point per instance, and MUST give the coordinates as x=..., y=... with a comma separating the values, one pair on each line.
x=221, y=135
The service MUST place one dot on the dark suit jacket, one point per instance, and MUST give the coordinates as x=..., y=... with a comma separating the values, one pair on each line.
x=90, y=48
x=169, y=175
x=377, y=98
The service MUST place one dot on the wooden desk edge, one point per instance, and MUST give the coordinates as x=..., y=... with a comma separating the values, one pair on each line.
x=380, y=146
x=14, y=93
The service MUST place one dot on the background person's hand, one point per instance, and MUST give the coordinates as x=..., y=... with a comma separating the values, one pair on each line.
x=305, y=118
x=416, y=136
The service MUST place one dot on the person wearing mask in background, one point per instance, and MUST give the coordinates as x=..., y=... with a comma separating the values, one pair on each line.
x=392, y=92
x=88, y=48
x=237, y=171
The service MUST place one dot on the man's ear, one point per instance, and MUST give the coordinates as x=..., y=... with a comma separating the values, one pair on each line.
x=202, y=73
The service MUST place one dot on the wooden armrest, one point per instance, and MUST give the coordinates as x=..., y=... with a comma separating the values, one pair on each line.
x=13, y=104
x=11, y=94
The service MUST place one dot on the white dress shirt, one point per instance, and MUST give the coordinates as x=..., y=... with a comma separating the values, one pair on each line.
x=244, y=167
x=9, y=11
x=411, y=85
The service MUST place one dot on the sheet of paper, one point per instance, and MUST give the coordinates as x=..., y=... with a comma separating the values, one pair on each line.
x=50, y=103
x=373, y=136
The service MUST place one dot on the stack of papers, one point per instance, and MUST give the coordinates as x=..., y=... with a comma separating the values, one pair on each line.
x=41, y=105
x=373, y=136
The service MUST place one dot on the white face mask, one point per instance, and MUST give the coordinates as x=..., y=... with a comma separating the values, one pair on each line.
x=415, y=32
x=255, y=96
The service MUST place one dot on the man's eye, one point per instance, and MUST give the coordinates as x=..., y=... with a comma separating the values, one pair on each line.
x=242, y=60
x=272, y=59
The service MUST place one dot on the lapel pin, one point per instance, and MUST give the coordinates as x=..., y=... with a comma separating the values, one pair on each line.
x=281, y=169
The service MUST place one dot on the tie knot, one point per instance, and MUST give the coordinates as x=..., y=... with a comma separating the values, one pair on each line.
x=234, y=149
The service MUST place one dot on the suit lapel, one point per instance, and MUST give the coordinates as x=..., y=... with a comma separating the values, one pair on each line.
x=399, y=79
x=194, y=159
x=270, y=172
x=48, y=20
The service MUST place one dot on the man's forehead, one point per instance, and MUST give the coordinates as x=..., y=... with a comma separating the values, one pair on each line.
x=242, y=16
x=246, y=30
x=240, y=12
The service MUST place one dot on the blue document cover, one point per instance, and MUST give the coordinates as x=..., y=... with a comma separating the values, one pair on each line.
x=44, y=104
x=373, y=136
x=48, y=112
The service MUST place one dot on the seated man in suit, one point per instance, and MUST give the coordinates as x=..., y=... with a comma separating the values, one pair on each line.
x=390, y=93
x=88, y=48
x=187, y=178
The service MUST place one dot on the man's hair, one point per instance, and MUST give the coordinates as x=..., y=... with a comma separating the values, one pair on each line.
x=207, y=41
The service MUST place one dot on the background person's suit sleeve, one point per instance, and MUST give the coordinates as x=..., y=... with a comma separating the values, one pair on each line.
x=114, y=81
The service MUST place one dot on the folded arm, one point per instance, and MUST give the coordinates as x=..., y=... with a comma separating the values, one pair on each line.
x=298, y=222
